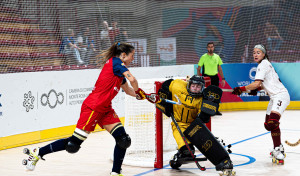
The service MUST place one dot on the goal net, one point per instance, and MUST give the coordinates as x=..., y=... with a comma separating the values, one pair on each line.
x=152, y=140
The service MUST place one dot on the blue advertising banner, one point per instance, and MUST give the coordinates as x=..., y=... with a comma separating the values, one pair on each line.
x=243, y=74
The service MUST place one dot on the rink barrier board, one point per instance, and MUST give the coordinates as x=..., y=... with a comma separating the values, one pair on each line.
x=257, y=105
x=40, y=136
x=66, y=131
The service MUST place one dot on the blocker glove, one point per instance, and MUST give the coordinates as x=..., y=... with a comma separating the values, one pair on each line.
x=140, y=94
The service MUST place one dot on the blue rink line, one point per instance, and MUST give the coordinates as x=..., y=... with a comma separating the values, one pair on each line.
x=251, y=159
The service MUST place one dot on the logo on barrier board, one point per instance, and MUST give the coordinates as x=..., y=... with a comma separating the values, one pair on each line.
x=28, y=101
x=52, y=98
x=252, y=73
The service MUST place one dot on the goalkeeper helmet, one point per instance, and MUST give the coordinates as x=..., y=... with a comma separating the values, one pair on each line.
x=195, y=80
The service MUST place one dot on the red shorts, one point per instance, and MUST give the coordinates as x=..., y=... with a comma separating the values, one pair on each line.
x=89, y=118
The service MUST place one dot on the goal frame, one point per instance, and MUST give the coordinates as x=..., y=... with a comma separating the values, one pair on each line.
x=158, y=163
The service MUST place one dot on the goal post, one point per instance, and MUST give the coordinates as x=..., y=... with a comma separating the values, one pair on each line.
x=150, y=131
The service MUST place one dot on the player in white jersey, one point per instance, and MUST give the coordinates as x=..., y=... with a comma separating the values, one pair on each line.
x=266, y=78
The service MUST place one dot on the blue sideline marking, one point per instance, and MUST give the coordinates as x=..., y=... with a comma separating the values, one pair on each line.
x=251, y=159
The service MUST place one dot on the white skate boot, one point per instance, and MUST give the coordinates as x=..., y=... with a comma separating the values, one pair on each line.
x=32, y=159
x=115, y=174
x=278, y=155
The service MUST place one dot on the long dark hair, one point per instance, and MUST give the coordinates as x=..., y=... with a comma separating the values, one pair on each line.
x=115, y=50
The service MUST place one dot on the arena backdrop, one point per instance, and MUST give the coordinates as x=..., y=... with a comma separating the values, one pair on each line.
x=34, y=34
x=38, y=65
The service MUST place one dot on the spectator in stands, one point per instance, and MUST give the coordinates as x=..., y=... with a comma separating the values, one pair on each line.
x=104, y=37
x=273, y=36
x=69, y=47
x=86, y=44
x=123, y=36
x=114, y=31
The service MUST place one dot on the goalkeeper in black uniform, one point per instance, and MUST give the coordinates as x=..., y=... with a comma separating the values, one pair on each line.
x=194, y=98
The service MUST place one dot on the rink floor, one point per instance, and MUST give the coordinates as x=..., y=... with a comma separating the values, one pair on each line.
x=244, y=130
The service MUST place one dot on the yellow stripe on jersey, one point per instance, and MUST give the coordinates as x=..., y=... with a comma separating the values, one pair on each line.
x=88, y=120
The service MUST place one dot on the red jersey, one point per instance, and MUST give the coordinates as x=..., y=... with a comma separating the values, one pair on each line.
x=107, y=86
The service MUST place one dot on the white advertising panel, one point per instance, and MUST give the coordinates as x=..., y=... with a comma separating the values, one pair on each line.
x=166, y=47
x=43, y=100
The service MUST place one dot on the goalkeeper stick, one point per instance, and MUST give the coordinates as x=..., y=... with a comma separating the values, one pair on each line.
x=291, y=144
x=186, y=144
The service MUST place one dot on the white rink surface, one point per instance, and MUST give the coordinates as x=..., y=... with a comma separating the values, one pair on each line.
x=243, y=129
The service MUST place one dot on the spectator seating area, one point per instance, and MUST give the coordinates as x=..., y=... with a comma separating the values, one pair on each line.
x=25, y=47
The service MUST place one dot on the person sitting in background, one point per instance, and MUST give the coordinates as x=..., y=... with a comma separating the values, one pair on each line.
x=104, y=37
x=86, y=44
x=69, y=47
x=273, y=37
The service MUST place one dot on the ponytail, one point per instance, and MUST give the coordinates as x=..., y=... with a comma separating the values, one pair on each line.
x=114, y=50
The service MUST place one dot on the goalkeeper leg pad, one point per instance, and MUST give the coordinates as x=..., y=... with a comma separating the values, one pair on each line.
x=206, y=142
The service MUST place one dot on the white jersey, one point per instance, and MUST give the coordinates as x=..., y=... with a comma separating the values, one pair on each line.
x=270, y=80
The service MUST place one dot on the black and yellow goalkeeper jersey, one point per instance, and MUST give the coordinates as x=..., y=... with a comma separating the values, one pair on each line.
x=190, y=107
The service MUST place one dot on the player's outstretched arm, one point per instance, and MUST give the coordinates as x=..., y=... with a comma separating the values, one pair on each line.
x=253, y=86
x=133, y=82
x=140, y=94
x=128, y=90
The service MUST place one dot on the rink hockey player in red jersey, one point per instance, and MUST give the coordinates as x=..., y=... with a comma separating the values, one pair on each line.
x=97, y=109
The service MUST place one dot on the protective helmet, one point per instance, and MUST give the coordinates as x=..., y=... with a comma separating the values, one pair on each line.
x=196, y=80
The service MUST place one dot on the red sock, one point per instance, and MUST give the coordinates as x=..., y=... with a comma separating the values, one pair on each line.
x=276, y=134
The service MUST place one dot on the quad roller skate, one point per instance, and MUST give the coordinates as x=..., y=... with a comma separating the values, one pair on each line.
x=226, y=167
x=278, y=155
x=33, y=158
x=183, y=158
x=174, y=163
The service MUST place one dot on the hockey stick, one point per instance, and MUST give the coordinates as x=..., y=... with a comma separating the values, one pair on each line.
x=186, y=144
x=291, y=144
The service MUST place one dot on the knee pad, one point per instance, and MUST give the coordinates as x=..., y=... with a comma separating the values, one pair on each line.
x=273, y=122
x=74, y=142
x=122, y=138
x=72, y=147
x=123, y=141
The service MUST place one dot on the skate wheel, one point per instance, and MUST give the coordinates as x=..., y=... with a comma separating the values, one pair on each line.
x=273, y=160
x=26, y=151
x=233, y=173
x=174, y=165
x=284, y=155
x=24, y=162
x=226, y=173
